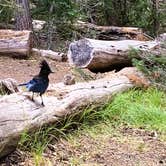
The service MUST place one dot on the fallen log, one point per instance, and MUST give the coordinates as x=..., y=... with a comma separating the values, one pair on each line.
x=57, y=56
x=112, y=32
x=100, y=55
x=8, y=86
x=18, y=113
x=15, y=43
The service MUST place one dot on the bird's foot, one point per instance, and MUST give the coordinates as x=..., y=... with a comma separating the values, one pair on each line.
x=42, y=104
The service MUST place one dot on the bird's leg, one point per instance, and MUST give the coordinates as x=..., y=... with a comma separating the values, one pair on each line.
x=41, y=99
x=32, y=96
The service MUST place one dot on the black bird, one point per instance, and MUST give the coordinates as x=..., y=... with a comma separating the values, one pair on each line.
x=39, y=83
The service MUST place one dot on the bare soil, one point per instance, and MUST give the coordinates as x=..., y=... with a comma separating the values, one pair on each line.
x=23, y=70
x=131, y=148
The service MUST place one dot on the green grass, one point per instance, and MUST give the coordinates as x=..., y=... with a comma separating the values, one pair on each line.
x=136, y=108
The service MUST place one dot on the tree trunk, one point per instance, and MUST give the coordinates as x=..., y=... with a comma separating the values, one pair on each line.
x=155, y=11
x=15, y=43
x=18, y=113
x=112, y=32
x=99, y=55
x=23, y=17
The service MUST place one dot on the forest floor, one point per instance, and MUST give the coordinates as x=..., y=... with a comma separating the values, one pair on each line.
x=23, y=70
x=126, y=147
x=123, y=147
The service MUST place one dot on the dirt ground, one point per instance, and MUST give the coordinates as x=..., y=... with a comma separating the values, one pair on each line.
x=132, y=148
x=23, y=70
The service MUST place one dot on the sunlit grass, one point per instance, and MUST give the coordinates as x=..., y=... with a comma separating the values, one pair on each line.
x=139, y=108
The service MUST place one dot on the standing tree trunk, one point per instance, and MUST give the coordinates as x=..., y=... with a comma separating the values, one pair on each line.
x=22, y=16
x=155, y=4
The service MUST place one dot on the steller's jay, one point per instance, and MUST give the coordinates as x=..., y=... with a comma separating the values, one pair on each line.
x=39, y=83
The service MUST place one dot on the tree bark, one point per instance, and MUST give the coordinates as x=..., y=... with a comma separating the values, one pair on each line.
x=15, y=43
x=23, y=17
x=99, y=55
x=155, y=12
x=18, y=113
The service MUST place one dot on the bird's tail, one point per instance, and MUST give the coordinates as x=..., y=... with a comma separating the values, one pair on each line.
x=24, y=84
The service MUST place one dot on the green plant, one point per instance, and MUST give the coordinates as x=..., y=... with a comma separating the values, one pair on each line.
x=153, y=65
x=6, y=10
x=59, y=14
x=138, y=108
x=124, y=13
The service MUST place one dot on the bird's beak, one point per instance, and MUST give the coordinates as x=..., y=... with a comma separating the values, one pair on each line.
x=52, y=72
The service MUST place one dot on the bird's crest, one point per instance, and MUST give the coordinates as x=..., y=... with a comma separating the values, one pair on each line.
x=45, y=68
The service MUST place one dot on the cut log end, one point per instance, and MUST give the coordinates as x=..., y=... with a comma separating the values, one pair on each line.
x=79, y=53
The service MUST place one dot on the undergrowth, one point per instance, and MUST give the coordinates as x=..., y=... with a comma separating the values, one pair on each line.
x=152, y=64
x=136, y=108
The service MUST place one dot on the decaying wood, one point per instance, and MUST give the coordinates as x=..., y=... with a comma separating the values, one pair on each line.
x=38, y=25
x=113, y=32
x=15, y=43
x=69, y=79
x=8, y=86
x=18, y=113
x=98, y=55
x=49, y=54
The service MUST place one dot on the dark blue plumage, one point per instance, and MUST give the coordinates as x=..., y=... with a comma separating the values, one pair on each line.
x=40, y=82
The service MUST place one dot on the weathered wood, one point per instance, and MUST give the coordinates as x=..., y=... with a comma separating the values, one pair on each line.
x=15, y=43
x=49, y=54
x=8, y=86
x=38, y=25
x=98, y=55
x=18, y=113
x=113, y=32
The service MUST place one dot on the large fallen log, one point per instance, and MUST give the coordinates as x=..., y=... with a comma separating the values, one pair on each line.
x=18, y=113
x=112, y=32
x=98, y=55
x=15, y=43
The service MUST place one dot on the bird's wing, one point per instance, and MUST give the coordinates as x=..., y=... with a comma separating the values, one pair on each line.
x=34, y=82
x=37, y=84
